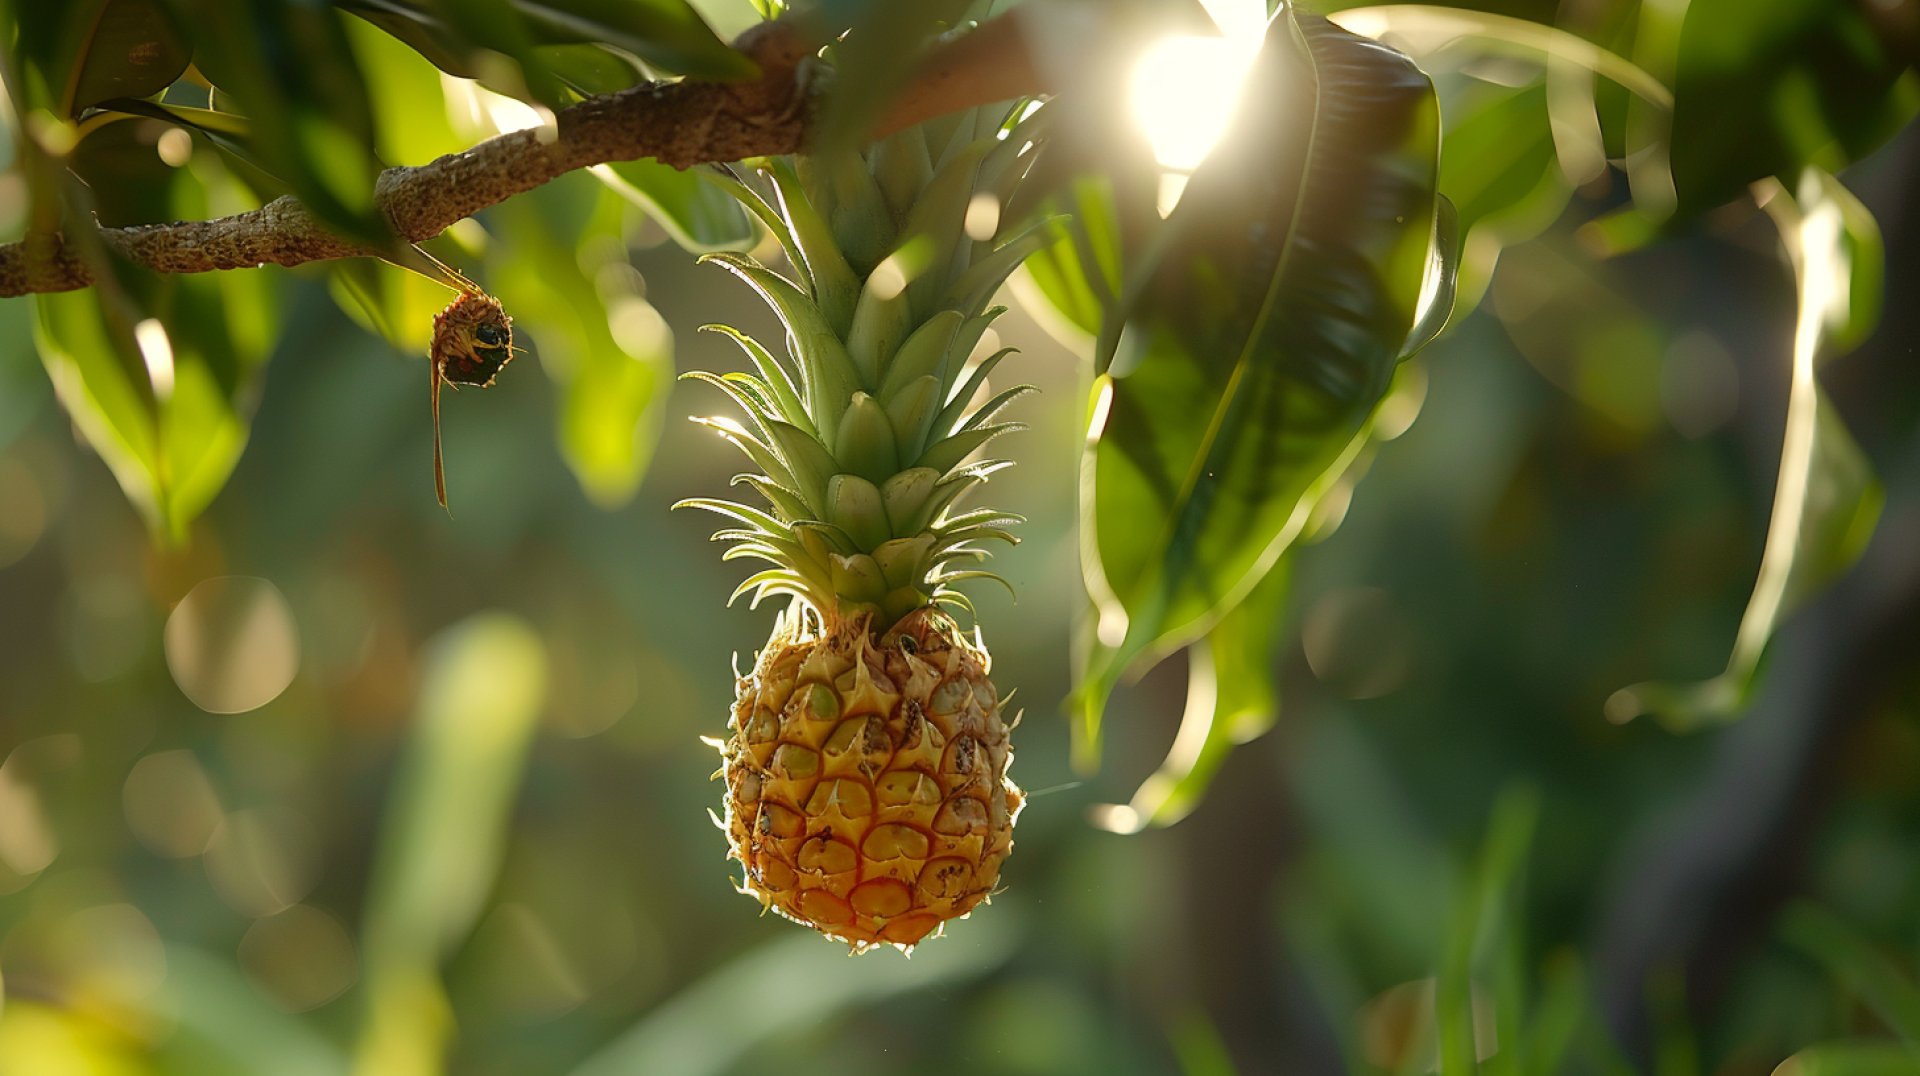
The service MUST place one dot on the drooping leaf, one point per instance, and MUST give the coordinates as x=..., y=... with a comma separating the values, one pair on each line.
x=1500, y=171
x=699, y=215
x=1265, y=338
x=160, y=373
x=1826, y=498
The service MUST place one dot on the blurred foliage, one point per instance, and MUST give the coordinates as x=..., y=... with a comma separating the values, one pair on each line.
x=465, y=834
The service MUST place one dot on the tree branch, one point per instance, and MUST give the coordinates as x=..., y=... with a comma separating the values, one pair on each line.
x=679, y=123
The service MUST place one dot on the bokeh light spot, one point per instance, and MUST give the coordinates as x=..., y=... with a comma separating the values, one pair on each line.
x=170, y=805
x=262, y=861
x=1358, y=643
x=23, y=511
x=302, y=957
x=231, y=644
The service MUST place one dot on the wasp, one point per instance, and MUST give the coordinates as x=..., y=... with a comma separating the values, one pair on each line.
x=472, y=343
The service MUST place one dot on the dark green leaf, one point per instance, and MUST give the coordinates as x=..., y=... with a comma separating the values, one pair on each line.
x=453, y=35
x=89, y=50
x=1766, y=87
x=1267, y=335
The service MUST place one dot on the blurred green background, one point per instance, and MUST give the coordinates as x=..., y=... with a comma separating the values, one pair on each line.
x=344, y=781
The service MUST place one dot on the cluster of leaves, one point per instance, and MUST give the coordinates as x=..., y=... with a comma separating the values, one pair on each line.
x=143, y=111
x=1227, y=424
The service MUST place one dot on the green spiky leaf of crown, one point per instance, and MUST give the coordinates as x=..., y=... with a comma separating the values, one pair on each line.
x=866, y=436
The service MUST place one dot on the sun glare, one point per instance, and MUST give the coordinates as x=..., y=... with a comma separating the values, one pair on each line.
x=1185, y=88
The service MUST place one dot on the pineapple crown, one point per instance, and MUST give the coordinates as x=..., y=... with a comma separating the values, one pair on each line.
x=866, y=435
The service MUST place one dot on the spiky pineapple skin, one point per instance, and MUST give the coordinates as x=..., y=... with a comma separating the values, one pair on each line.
x=867, y=788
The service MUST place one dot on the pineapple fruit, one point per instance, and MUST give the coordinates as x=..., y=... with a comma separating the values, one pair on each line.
x=866, y=764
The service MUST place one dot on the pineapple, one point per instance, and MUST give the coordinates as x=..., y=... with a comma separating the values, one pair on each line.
x=866, y=764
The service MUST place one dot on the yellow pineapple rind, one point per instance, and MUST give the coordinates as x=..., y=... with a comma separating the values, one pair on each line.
x=867, y=789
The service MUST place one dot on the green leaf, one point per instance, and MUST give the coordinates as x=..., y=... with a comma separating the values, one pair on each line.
x=1482, y=922
x=455, y=35
x=1826, y=498
x=312, y=120
x=607, y=349
x=160, y=373
x=699, y=215
x=1501, y=172
x=90, y=50
x=444, y=829
x=883, y=40
x=1266, y=336
x=406, y=95
x=1768, y=87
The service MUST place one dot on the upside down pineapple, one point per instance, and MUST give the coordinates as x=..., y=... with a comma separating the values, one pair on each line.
x=866, y=764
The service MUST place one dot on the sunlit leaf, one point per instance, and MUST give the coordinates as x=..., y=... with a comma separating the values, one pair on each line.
x=160, y=373
x=1501, y=173
x=409, y=106
x=596, y=336
x=1077, y=277
x=700, y=216
x=1266, y=337
x=1826, y=498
